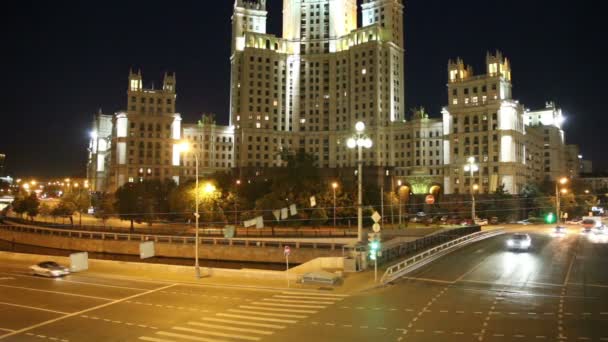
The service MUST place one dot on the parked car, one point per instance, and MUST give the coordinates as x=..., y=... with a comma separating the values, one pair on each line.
x=588, y=224
x=481, y=222
x=49, y=269
x=519, y=242
x=421, y=214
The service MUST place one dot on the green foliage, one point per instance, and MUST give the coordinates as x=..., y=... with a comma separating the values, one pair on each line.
x=143, y=201
x=26, y=204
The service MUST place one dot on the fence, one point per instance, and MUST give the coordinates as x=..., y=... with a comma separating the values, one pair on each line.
x=170, y=239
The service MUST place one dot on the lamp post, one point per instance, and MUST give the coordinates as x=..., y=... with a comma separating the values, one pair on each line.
x=236, y=193
x=472, y=167
x=399, y=185
x=359, y=140
x=185, y=148
x=562, y=181
x=334, y=186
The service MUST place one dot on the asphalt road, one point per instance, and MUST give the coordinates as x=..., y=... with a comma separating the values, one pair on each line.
x=556, y=291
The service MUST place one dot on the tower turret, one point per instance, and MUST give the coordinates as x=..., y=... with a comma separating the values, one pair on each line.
x=458, y=71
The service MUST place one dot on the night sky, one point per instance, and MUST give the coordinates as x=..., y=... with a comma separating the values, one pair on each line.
x=63, y=60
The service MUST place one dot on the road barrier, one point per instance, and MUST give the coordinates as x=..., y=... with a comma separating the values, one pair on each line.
x=169, y=239
x=400, y=269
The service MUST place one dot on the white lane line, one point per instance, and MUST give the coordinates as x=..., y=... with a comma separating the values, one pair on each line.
x=296, y=301
x=231, y=328
x=217, y=334
x=276, y=310
x=7, y=330
x=153, y=339
x=64, y=280
x=79, y=313
x=33, y=308
x=307, y=297
x=275, y=320
x=249, y=324
x=266, y=313
x=341, y=296
x=55, y=292
x=291, y=305
x=188, y=337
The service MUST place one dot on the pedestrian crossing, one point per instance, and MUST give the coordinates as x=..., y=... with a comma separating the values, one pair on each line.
x=252, y=321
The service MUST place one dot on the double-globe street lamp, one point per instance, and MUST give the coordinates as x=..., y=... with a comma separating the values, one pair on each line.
x=359, y=140
x=472, y=168
x=334, y=186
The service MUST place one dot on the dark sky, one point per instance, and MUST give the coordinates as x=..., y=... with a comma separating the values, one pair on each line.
x=62, y=60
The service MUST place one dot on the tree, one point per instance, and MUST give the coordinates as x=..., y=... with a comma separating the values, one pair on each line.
x=64, y=209
x=32, y=205
x=105, y=207
x=79, y=199
x=144, y=201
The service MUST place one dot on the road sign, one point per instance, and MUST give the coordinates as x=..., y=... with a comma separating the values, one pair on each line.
x=287, y=250
x=376, y=217
x=376, y=228
x=430, y=199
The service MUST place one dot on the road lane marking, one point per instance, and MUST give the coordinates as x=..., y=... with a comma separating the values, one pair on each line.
x=337, y=296
x=7, y=330
x=7, y=278
x=31, y=327
x=567, y=278
x=291, y=305
x=217, y=334
x=266, y=313
x=64, y=280
x=296, y=301
x=153, y=339
x=56, y=292
x=249, y=324
x=429, y=280
x=224, y=327
x=33, y=308
x=589, y=285
x=188, y=337
x=263, y=319
x=276, y=310
x=307, y=297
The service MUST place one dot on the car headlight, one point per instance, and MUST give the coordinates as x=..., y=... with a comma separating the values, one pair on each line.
x=510, y=243
x=526, y=244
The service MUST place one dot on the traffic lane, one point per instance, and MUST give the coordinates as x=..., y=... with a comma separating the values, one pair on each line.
x=586, y=301
x=459, y=263
x=330, y=331
x=591, y=260
x=585, y=328
x=68, y=285
x=15, y=318
x=55, y=301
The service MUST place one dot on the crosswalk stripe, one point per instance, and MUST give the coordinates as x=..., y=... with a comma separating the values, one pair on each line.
x=296, y=301
x=266, y=313
x=306, y=297
x=276, y=310
x=223, y=327
x=314, y=294
x=153, y=339
x=188, y=337
x=218, y=334
x=249, y=324
x=257, y=318
x=291, y=305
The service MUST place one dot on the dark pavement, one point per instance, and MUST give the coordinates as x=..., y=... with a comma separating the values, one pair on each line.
x=556, y=291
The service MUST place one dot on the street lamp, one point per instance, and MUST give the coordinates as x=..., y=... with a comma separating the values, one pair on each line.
x=185, y=148
x=561, y=181
x=472, y=168
x=359, y=140
x=399, y=185
x=236, y=193
x=334, y=186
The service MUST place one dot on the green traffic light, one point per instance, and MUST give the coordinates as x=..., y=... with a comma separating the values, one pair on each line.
x=374, y=245
x=550, y=218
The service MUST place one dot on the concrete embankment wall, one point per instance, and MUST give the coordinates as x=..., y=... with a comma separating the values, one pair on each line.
x=250, y=253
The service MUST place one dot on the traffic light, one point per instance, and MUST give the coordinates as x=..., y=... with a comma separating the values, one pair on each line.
x=374, y=245
x=550, y=218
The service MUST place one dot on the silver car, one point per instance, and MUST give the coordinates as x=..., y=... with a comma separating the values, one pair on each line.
x=49, y=269
x=519, y=242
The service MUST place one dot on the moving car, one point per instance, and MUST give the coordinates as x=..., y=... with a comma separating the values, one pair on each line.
x=577, y=220
x=588, y=224
x=481, y=222
x=559, y=230
x=519, y=241
x=49, y=269
x=524, y=222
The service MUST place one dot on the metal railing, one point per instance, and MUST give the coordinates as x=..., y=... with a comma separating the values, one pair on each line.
x=92, y=235
x=399, y=269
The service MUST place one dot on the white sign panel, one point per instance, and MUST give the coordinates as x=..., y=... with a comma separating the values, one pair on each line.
x=292, y=210
x=376, y=217
x=259, y=222
x=284, y=213
x=146, y=250
x=313, y=201
x=276, y=214
x=79, y=262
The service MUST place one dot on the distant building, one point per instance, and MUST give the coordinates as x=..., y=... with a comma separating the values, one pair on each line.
x=99, y=152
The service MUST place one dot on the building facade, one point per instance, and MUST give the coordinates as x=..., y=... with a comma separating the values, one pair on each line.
x=2, y=167
x=307, y=89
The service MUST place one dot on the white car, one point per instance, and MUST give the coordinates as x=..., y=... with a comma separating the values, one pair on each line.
x=524, y=222
x=49, y=269
x=519, y=242
x=560, y=231
x=481, y=222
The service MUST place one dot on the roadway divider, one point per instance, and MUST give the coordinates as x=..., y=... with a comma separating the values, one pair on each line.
x=408, y=265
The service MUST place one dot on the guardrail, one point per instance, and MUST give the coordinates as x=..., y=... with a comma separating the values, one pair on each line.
x=401, y=268
x=81, y=234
